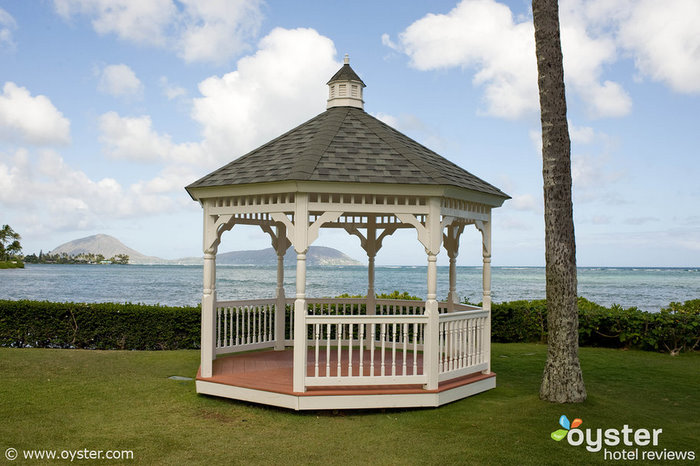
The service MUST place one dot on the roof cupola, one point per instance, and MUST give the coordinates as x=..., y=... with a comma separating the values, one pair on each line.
x=345, y=88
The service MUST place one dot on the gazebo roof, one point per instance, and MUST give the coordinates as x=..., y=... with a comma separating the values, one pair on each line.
x=345, y=144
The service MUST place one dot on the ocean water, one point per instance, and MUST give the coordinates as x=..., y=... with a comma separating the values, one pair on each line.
x=646, y=288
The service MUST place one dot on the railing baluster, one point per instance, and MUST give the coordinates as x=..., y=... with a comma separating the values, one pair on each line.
x=339, y=333
x=405, y=347
x=383, y=334
x=218, y=328
x=316, y=335
x=415, y=348
x=350, y=350
x=328, y=350
x=371, y=351
x=361, y=330
x=393, y=350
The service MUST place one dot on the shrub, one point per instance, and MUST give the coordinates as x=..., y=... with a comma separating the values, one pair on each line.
x=98, y=326
x=674, y=329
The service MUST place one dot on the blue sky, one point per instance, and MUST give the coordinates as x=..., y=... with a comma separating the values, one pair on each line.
x=108, y=108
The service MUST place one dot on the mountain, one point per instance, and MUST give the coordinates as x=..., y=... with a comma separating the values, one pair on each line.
x=317, y=255
x=110, y=246
x=106, y=245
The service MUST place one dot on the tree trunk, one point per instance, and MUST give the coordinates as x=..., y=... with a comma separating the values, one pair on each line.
x=562, y=381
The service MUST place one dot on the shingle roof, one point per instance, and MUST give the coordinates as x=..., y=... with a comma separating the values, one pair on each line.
x=345, y=144
x=345, y=74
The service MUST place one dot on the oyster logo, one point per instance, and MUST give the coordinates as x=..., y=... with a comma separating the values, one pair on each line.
x=560, y=434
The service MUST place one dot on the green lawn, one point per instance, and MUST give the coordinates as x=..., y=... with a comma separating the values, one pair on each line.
x=118, y=400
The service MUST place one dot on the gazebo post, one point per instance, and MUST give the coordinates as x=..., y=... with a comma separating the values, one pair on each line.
x=208, y=340
x=433, y=230
x=485, y=228
x=301, y=246
x=281, y=303
x=451, y=241
x=371, y=249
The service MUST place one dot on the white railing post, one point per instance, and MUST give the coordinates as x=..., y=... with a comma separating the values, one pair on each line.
x=300, y=312
x=485, y=228
x=431, y=347
x=208, y=341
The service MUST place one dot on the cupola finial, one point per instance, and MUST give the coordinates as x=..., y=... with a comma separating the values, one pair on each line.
x=345, y=87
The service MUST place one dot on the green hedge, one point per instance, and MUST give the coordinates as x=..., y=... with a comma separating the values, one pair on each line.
x=674, y=329
x=143, y=327
x=98, y=326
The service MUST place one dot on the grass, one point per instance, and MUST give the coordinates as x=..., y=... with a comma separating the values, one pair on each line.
x=109, y=400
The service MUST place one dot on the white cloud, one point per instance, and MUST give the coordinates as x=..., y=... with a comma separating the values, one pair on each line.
x=484, y=36
x=119, y=81
x=278, y=87
x=217, y=30
x=7, y=25
x=55, y=196
x=32, y=120
x=141, y=21
x=213, y=31
x=171, y=91
x=133, y=138
x=664, y=38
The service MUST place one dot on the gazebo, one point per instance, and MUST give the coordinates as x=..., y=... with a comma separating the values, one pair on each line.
x=347, y=170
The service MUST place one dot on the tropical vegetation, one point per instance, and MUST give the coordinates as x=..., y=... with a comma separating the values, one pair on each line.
x=10, y=248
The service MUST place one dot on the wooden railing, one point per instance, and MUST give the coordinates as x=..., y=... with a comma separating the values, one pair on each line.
x=341, y=357
x=350, y=347
x=462, y=343
x=244, y=325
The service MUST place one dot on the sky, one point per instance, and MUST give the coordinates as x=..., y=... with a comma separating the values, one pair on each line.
x=108, y=108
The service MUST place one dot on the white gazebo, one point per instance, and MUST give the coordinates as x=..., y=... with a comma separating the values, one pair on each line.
x=345, y=169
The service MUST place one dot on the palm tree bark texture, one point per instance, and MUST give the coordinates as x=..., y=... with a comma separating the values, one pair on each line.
x=562, y=380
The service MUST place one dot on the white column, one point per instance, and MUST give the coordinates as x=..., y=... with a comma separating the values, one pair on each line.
x=281, y=302
x=300, y=325
x=432, y=248
x=452, y=297
x=208, y=342
x=486, y=299
x=430, y=364
x=301, y=246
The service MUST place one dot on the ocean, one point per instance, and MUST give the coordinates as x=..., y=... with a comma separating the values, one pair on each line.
x=649, y=289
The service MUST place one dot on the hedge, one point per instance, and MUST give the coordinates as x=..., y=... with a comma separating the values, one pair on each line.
x=146, y=327
x=674, y=329
x=98, y=326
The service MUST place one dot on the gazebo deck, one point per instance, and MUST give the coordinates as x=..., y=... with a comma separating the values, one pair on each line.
x=266, y=377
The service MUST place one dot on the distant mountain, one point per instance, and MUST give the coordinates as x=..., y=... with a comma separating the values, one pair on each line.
x=110, y=246
x=317, y=255
x=106, y=245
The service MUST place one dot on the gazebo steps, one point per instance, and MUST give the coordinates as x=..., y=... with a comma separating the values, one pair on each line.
x=266, y=377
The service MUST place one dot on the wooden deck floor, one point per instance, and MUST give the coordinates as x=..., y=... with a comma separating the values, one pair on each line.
x=272, y=371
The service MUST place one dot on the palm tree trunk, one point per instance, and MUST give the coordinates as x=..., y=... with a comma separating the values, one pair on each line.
x=562, y=380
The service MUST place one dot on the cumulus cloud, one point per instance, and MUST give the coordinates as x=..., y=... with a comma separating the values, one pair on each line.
x=7, y=25
x=57, y=196
x=133, y=138
x=484, y=36
x=212, y=31
x=31, y=119
x=257, y=101
x=119, y=81
x=663, y=38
